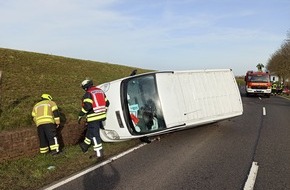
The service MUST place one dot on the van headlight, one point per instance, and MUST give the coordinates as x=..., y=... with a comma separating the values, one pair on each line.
x=112, y=134
x=105, y=87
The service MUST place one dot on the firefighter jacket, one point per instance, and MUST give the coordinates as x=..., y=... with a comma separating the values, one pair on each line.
x=45, y=112
x=94, y=105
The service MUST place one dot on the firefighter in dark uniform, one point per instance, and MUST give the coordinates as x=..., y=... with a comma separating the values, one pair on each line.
x=94, y=107
x=274, y=89
x=46, y=117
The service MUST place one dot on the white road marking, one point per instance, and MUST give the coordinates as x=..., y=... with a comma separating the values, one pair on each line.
x=264, y=111
x=93, y=168
x=249, y=185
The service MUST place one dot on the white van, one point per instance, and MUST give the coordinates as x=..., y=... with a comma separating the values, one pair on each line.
x=155, y=103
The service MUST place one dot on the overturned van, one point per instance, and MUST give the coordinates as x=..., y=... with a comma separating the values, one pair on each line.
x=155, y=103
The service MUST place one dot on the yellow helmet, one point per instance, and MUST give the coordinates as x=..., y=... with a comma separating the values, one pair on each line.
x=46, y=97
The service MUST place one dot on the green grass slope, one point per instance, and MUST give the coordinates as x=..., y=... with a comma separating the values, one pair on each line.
x=26, y=75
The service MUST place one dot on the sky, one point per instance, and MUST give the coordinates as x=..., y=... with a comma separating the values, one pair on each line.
x=150, y=34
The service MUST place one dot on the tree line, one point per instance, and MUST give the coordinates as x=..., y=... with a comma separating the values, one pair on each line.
x=279, y=62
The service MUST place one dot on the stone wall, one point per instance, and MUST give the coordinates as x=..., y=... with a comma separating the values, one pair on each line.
x=24, y=142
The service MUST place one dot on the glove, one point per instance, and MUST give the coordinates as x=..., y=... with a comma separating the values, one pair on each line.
x=102, y=126
x=79, y=119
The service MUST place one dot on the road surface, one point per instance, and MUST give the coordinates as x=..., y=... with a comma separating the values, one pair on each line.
x=238, y=153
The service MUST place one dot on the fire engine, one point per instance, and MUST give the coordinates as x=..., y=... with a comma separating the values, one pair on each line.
x=258, y=83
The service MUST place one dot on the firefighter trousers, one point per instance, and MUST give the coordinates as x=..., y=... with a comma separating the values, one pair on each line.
x=47, y=138
x=93, y=137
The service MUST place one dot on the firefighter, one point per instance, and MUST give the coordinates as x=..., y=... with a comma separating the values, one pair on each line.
x=274, y=89
x=94, y=108
x=47, y=119
x=281, y=88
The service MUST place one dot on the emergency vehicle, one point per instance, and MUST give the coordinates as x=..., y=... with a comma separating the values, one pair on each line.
x=258, y=83
x=159, y=102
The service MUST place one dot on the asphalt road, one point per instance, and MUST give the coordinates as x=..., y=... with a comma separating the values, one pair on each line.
x=216, y=156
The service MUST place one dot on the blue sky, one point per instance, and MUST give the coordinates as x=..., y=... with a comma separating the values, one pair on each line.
x=150, y=34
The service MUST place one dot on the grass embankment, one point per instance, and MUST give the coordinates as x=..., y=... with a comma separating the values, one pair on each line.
x=35, y=172
x=240, y=81
x=25, y=76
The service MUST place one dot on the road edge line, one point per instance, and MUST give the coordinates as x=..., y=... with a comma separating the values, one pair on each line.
x=249, y=185
x=264, y=111
x=50, y=187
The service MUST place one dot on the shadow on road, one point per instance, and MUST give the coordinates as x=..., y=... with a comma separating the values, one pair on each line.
x=106, y=177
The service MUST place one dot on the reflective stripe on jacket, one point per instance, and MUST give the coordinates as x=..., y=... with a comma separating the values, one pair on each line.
x=44, y=112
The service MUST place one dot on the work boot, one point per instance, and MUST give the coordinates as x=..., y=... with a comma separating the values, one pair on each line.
x=84, y=147
x=100, y=156
x=101, y=153
x=54, y=153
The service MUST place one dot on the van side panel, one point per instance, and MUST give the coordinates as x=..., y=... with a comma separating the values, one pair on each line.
x=204, y=96
x=171, y=98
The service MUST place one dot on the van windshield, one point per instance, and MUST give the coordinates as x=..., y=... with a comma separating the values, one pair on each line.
x=142, y=108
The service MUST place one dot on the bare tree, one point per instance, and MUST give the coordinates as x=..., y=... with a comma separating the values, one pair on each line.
x=279, y=62
x=288, y=36
x=276, y=64
x=285, y=63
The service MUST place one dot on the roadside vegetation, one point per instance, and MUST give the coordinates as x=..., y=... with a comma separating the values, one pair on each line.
x=41, y=170
x=240, y=80
x=26, y=75
x=279, y=62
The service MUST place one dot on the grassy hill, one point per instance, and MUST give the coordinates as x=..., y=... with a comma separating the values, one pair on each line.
x=26, y=75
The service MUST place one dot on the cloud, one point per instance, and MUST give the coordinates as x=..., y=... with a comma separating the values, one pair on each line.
x=138, y=32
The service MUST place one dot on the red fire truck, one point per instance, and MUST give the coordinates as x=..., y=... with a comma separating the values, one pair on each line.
x=258, y=83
